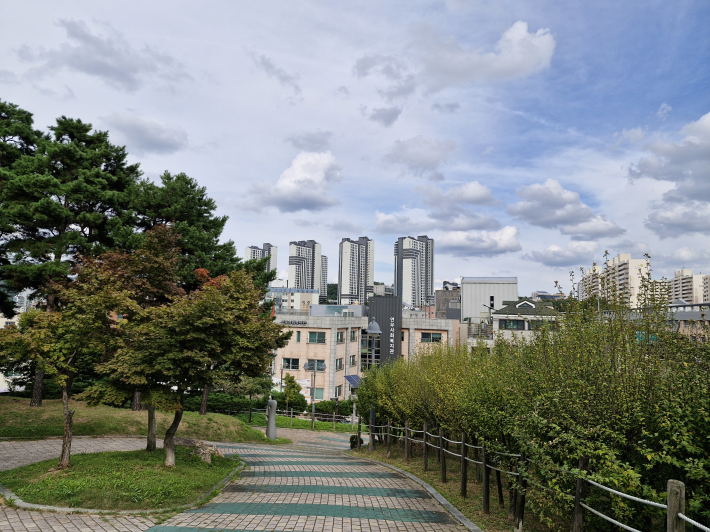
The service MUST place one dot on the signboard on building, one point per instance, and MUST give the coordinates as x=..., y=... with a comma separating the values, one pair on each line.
x=387, y=311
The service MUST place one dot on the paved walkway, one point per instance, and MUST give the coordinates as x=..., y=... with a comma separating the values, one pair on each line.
x=310, y=486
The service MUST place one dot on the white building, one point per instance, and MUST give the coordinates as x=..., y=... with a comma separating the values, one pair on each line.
x=292, y=300
x=255, y=252
x=414, y=270
x=480, y=293
x=688, y=287
x=305, y=264
x=621, y=278
x=356, y=270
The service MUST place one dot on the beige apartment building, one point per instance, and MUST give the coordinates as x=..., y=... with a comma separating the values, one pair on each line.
x=342, y=344
x=688, y=287
x=622, y=275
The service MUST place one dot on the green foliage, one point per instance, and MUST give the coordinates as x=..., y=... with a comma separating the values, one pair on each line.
x=292, y=390
x=332, y=291
x=345, y=408
x=353, y=441
x=592, y=386
x=218, y=402
x=297, y=402
x=118, y=480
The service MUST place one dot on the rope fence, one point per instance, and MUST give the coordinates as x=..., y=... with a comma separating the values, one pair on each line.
x=674, y=507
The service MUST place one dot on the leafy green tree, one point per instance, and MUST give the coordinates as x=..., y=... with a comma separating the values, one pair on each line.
x=332, y=291
x=215, y=332
x=66, y=198
x=291, y=389
x=79, y=328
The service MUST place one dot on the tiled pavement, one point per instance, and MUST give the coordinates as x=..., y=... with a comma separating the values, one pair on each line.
x=293, y=489
x=306, y=487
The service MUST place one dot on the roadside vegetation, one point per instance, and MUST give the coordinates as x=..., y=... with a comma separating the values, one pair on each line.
x=259, y=420
x=616, y=385
x=132, y=480
x=19, y=420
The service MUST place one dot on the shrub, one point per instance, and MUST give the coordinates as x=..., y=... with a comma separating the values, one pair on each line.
x=218, y=402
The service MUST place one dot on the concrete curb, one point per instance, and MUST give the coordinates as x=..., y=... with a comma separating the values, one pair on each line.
x=13, y=499
x=465, y=521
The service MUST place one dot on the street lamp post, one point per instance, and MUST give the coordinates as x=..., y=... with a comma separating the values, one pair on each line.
x=313, y=366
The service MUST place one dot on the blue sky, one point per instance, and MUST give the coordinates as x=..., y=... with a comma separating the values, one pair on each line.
x=525, y=138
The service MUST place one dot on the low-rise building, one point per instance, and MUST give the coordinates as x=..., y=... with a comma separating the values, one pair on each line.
x=295, y=300
x=448, y=299
x=523, y=316
x=343, y=345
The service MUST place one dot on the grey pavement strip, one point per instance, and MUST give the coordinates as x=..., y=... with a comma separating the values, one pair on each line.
x=465, y=521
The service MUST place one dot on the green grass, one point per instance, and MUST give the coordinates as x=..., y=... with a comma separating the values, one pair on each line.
x=472, y=505
x=259, y=420
x=19, y=420
x=132, y=480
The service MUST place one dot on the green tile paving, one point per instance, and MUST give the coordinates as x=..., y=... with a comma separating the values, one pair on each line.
x=264, y=463
x=162, y=528
x=325, y=510
x=327, y=490
x=317, y=474
x=339, y=440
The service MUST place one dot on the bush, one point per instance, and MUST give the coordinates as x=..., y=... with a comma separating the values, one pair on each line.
x=353, y=441
x=619, y=387
x=345, y=408
x=218, y=402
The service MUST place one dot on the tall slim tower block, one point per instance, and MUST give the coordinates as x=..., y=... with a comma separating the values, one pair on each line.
x=323, y=279
x=255, y=252
x=305, y=263
x=414, y=270
x=356, y=270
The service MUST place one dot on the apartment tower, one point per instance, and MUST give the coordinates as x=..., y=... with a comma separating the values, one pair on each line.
x=305, y=264
x=414, y=270
x=255, y=252
x=356, y=270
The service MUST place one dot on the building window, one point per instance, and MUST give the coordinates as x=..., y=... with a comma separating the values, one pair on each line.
x=431, y=338
x=512, y=325
x=338, y=390
x=353, y=360
x=403, y=336
x=319, y=394
x=338, y=364
x=320, y=364
x=353, y=336
x=340, y=337
x=316, y=337
x=298, y=337
x=291, y=363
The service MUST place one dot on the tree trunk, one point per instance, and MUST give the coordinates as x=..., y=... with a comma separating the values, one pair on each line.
x=70, y=382
x=65, y=458
x=38, y=389
x=169, y=442
x=151, y=429
x=203, y=405
x=136, y=402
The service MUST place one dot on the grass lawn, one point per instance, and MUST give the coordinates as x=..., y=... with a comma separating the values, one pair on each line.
x=472, y=505
x=19, y=420
x=131, y=480
x=259, y=420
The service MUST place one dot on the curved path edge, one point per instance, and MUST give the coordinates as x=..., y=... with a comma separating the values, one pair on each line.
x=14, y=500
x=465, y=521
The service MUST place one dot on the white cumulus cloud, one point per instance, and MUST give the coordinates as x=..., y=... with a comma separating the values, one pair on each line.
x=575, y=254
x=479, y=243
x=421, y=156
x=303, y=186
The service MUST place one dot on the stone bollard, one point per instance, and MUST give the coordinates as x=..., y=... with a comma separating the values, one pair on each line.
x=271, y=419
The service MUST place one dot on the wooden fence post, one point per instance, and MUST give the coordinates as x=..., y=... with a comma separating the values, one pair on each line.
x=407, y=443
x=371, y=446
x=443, y=456
x=292, y=417
x=676, y=505
x=579, y=494
x=425, y=452
x=499, y=482
x=464, y=465
x=333, y=421
x=486, y=482
x=389, y=437
x=520, y=499
x=359, y=429
x=249, y=414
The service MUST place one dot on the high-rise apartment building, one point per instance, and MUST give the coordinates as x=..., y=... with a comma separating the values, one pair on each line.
x=686, y=286
x=414, y=270
x=621, y=277
x=305, y=264
x=255, y=252
x=323, y=279
x=356, y=270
